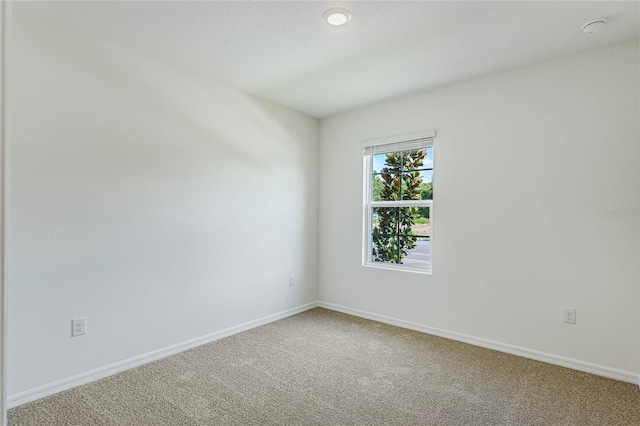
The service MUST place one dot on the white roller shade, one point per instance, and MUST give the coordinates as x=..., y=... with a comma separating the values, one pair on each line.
x=399, y=143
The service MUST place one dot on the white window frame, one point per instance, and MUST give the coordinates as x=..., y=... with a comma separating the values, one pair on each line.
x=393, y=144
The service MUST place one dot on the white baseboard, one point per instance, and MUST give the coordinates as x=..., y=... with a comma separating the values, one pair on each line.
x=99, y=373
x=587, y=367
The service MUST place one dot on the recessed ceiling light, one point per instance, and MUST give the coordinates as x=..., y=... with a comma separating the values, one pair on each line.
x=594, y=26
x=337, y=16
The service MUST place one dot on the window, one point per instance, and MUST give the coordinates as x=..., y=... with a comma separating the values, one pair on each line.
x=399, y=202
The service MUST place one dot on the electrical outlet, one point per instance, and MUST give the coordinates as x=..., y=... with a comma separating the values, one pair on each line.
x=570, y=315
x=291, y=282
x=78, y=326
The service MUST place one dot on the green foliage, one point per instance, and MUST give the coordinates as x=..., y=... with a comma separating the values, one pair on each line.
x=421, y=220
x=426, y=190
x=399, y=180
x=377, y=188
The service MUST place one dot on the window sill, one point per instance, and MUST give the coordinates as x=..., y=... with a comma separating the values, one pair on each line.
x=379, y=265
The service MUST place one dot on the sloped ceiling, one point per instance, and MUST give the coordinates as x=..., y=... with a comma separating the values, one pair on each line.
x=284, y=52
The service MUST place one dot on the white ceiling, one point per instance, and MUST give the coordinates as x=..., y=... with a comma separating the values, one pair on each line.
x=284, y=52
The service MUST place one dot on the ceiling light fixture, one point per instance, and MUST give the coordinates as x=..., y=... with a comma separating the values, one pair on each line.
x=594, y=26
x=337, y=16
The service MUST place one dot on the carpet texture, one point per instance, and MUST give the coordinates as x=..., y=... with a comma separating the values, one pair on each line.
x=326, y=368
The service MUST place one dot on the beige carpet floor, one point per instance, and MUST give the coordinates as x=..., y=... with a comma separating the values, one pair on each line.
x=326, y=368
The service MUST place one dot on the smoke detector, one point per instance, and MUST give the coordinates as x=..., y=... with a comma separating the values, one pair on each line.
x=594, y=26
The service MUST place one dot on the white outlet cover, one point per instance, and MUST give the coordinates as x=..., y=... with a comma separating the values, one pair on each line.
x=570, y=315
x=78, y=326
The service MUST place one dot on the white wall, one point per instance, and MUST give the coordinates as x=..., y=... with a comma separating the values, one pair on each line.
x=3, y=52
x=160, y=205
x=526, y=162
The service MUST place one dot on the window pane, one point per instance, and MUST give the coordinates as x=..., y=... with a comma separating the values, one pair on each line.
x=385, y=249
x=390, y=162
x=401, y=235
x=402, y=175
x=426, y=176
x=419, y=255
x=384, y=220
x=385, y=187
x=405, y=219
x=411, y=186
x=384, y=234
x=378, y=163
x=392, y=176
x=426, y=186
x=412, y=162
x=414, y=159
x=421, y=222
x=428, y=159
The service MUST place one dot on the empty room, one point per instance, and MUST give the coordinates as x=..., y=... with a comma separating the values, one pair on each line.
x=320, y=213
